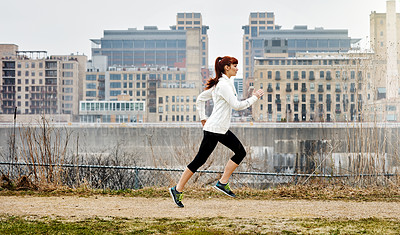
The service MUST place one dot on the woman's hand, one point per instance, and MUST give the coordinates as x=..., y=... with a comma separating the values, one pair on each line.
x=203, y=122
x=258, y=93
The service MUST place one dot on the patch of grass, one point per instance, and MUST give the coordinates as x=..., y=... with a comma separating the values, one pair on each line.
x=304, y=192
x=215, y=225
x=362, y=226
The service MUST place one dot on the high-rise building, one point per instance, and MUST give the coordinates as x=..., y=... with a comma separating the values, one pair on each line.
x=37, y=84
x=383, y=102
x=189, y=20
x=258, y=21
x=272, y=41
x=385, y=37
x=161, y=68
x=151, y=46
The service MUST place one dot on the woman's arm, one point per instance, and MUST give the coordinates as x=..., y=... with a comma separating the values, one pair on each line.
x=201, y=103
x=228, y=94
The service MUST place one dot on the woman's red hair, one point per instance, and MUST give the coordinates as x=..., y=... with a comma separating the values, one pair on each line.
x=220, y=63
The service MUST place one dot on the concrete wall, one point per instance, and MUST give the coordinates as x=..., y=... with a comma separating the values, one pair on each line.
x=270, y=149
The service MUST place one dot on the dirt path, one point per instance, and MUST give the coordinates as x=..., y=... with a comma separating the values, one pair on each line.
x=129, y=207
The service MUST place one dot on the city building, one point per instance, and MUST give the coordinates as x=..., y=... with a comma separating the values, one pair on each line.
x=161, y=68
x=383, y=103
x=168, y=95
x=272, y=41
x=37, y=84
x=312, y=87
x=152, y=46
x=238, y=82
x=188, y=20
x=258, y=21
x=120, y=111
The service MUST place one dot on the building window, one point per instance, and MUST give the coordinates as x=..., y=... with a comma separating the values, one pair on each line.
x=303, y=74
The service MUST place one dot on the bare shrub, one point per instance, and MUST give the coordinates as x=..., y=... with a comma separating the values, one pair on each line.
x=44, y=148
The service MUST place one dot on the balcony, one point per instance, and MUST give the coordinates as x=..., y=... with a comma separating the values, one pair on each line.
x=50, y=99
x=36, y=99
x=277, y=78
x=36, y=91
x=338, y=111
x=102, y=80
x=303, y=89
x=328, y=78
x=338, y=90
x=352, y=89
x=312, y=101
x=49, y=83
x=8, y=99
x=278, y=101
x=312, y=78
x=320, y=89
x=288, y=89
x=9, y=74
x=269, y=89
x=270, y=111
x=296, y=101
x=328, y=101
x=50, y=92
x=8, y=92
x=7, y=106
x=295, y=78
x=101, y=88
x=7, y=65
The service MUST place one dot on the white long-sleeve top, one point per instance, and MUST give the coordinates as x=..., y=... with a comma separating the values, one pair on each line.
x=225, y=99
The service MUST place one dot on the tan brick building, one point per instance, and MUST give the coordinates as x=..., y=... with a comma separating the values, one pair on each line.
x=38, y=84
x=384, y=103
x=311, y=87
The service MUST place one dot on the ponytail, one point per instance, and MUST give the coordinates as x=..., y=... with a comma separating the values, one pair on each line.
x=220, y=63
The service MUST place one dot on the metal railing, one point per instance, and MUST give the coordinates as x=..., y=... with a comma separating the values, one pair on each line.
x=233, y=124
x=122, y=177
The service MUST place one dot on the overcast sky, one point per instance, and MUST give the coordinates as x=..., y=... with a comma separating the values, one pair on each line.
x=64, y=27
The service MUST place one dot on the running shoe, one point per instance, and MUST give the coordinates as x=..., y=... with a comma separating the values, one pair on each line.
x=225, y=188
x=176, y=196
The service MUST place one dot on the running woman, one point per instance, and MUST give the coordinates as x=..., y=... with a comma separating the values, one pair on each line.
x=222, y=91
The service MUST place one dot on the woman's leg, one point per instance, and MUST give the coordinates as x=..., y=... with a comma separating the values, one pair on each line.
x=187, y=174
x=229, y=168
x=207, y=146
x=234, y=144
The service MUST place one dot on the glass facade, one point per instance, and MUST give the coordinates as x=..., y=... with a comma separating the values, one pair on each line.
x=134, y=47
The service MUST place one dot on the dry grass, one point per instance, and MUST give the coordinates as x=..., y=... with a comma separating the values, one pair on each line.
x=304, y=192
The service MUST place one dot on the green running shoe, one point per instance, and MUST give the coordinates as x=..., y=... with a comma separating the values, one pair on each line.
x=176, y=196
x=224, y=188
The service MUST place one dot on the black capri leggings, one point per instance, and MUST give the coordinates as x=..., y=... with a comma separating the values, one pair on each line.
x=208, y=144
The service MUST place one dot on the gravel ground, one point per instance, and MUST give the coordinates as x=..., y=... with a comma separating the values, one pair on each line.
x=136, y=207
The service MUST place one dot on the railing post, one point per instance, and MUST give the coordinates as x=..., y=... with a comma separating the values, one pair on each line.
x=136, y=178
